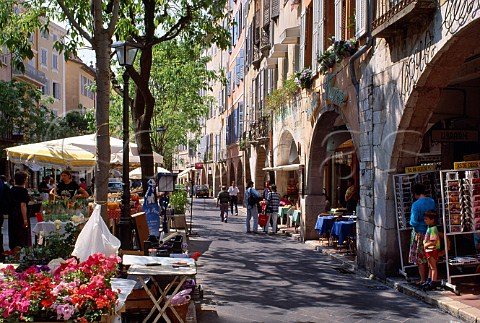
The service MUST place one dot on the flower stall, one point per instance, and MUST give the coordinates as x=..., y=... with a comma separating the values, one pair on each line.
x=70, y=291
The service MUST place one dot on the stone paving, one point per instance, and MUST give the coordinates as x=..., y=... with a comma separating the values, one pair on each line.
x=263, y=278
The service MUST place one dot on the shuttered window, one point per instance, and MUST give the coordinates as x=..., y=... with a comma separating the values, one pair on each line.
x=229, y=83
x=321, y=26
x=240, y=118
x=302, y=41
x=275, y=8
x=242, y=63
x=315, y=53
x=266, y=12
x=338, y=19
x=360, y=18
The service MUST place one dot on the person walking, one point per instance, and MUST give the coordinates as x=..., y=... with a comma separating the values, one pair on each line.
x=18, y=222
x=233, y=192
x=417, y=249
x=272, y=203
x=250, y=202
x=223, y=199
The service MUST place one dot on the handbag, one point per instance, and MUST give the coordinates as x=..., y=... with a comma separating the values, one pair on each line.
x=262, y=220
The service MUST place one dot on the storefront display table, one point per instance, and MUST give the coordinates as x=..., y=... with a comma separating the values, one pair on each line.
x=343, y=230
x=177, y=270
x=324, y=224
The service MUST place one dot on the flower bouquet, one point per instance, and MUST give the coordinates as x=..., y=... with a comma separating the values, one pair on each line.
x=74, y=292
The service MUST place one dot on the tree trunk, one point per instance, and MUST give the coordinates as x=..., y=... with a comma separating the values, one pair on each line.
x=101, y=43
x=142, y=112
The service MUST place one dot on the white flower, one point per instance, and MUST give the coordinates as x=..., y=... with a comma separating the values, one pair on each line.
x=58, y=224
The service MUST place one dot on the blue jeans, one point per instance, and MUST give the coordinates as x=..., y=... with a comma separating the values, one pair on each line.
x=252, y=213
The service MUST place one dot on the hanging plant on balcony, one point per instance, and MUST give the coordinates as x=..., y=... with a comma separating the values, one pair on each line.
x=336, y=52
x=304, y=78
x=280, y=97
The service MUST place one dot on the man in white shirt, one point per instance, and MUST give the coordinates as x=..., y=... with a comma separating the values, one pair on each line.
x=233, y=192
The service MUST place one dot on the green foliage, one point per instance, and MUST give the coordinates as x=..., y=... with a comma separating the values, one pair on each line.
x=336, y=52
x=281, y=96
x=22, y=109
x=179, y=201
x=179, y=75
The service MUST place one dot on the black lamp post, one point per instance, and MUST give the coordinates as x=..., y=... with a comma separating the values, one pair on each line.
x=126, y=53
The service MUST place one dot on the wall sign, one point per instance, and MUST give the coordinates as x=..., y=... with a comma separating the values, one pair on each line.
x=466, y=165
x=419, y=169
x=198, y=165
x=333, y=95
x=454, y=135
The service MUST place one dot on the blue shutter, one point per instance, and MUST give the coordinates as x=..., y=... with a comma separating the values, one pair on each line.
x=242, y=63
x=229, y=83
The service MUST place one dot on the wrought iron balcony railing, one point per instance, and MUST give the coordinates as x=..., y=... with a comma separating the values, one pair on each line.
x=259, y=130
x=31, y=74
x=393, y=15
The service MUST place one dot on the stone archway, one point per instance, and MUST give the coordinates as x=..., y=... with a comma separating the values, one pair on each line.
x=240, y=181
x=231, y=176
x=259, y=166
x=411, y=103
x=318, y=157
x=216, y=181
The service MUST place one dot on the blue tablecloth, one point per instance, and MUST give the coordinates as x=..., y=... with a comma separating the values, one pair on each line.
x=343, y=229
x=324, y=224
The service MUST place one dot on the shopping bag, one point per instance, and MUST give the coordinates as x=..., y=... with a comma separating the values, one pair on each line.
x=262, y=219
x=95, y=238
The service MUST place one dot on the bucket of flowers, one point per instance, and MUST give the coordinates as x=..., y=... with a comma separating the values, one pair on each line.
x=73, y=292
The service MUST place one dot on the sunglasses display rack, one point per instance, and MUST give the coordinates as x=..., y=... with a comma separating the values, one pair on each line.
x=403, y=186
x=461, y=217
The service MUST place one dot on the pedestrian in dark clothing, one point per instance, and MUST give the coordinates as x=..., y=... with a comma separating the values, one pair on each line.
x=223, y=199
x=18, y=222
x=271, y=208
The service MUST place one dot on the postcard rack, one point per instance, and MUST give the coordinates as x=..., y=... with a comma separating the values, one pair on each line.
x=403, y=186
x=461, y=222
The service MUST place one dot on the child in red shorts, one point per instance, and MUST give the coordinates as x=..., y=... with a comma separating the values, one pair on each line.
x=432, y=246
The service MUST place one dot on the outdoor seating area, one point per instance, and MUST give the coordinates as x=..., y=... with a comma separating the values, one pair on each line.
x=337, y=230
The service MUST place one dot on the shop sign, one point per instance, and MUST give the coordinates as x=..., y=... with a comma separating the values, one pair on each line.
x=454, y=135
x=198, y=165
x=470, y=164
x=333, y=95
x=419, y=169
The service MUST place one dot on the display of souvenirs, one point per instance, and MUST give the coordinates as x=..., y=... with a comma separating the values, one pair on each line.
x=462, y=198
x=404, y=195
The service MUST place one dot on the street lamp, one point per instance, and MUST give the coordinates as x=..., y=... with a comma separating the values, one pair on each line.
x=126, y=52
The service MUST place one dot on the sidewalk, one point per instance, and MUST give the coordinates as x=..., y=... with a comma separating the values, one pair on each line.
x=465, y=306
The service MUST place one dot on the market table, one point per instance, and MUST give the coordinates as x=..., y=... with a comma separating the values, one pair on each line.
x=343, y=230
x=178, y=269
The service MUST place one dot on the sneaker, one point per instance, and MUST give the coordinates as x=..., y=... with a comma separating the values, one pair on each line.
x=225, y=221
x=249, y=232
x=236, y=213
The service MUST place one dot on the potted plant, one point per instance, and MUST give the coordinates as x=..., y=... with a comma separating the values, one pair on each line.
x=179, y=201
x=304, y=78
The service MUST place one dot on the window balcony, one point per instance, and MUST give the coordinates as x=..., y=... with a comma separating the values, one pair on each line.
x=259, y=130
x=392, y=16
x=290, y=35
x=31, y=75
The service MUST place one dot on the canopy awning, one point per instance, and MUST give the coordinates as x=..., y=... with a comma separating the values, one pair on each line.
x=137, y=172
x=185, y=172
x=76, y=153
x=285, y=168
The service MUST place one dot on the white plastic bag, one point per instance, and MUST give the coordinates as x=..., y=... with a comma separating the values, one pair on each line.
x=95, y=238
